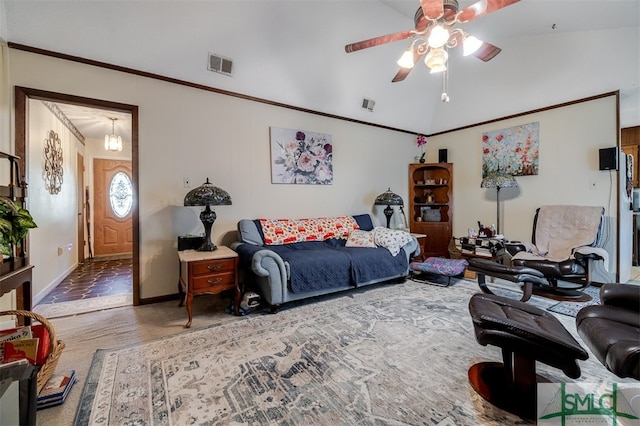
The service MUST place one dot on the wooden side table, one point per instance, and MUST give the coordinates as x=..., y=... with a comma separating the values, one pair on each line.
x=209, y=272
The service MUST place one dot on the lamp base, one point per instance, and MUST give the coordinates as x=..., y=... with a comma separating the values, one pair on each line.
x=388, y=212
x=208, y=246
x=207, y=216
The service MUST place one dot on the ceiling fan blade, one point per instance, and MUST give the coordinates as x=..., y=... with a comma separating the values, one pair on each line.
x=432, y=8
x=377, y=41
x=483, y=7
x=404, y=72
x=401, y=74
x=487, y=51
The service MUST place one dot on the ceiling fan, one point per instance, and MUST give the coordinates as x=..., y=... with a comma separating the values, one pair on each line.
x=434, y=32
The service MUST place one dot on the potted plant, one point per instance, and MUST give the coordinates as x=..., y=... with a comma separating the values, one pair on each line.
x=15, y=222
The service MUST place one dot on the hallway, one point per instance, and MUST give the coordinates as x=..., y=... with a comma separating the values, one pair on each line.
x=94, y=278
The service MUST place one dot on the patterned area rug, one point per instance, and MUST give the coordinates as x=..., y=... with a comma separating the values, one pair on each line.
x=384, y=355
x=83, y=306
x=571, y=308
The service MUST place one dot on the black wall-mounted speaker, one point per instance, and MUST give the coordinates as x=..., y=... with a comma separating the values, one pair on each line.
x=442, y=156
x=609, y=158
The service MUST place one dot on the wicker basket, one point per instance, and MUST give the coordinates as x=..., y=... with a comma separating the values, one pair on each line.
x=47, y=369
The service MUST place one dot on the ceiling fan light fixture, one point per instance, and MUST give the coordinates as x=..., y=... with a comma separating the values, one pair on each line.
x=438, y=36
x=438, y=68
x=470, y=45
x=436, y=60
x=406, y=60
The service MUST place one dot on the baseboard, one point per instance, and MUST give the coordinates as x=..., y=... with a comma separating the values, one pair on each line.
x=158, y=299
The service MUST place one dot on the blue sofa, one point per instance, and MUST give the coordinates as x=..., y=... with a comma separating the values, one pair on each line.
x=288, y=272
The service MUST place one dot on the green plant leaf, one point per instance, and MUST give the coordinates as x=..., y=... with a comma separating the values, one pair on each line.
x=24, y=220
x=6, y=202
x=5, y=249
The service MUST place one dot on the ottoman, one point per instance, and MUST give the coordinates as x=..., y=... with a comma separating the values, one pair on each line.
x=439, y=266
x=525, y=334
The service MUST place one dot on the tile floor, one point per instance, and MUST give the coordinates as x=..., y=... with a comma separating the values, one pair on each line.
x=94, y=278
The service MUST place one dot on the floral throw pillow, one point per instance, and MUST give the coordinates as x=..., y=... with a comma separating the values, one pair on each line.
x=360, y=238
x=287, y=231
x=391, y=239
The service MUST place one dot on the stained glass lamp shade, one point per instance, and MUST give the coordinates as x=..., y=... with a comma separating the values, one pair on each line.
x=207, y=195
x=497, y=181
x=389, y=199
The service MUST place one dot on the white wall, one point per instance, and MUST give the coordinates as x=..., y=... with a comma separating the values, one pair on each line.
x=570, y=138
x=286, y=57
x=185, y=132
x=627, y=221
x=547, y=70
x=55, y=214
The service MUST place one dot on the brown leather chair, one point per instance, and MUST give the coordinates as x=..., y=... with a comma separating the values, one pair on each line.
x=612, y=329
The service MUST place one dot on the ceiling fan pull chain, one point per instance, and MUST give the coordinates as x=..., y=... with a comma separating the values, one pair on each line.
x=445, y=84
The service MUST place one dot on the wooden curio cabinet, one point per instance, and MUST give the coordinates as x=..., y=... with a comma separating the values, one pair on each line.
x=431, y=205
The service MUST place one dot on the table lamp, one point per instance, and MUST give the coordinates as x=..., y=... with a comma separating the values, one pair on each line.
x=207, y=195
x=389, y=199
x=498, y=180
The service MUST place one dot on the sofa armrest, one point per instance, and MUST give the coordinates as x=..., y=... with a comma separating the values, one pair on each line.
x=262, y=261
x=412, y=248
x=266, y=262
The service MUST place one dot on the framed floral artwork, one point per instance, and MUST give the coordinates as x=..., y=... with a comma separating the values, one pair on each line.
x=301, y=157
x=512, y=151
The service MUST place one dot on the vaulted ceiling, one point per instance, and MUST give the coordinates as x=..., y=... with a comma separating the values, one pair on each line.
x=293, y=52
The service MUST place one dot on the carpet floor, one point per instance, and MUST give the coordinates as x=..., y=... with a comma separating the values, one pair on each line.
x=385, y=355
x=572, y=308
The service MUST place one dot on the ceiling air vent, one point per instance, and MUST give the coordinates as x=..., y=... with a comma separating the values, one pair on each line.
x=220, y=64
x=368, y=104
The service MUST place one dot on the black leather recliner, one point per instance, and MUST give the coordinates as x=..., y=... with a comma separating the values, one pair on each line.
x=558, y=262
x=612, y=329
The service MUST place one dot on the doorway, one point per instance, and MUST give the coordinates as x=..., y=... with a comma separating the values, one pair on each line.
x=112, y=207
x=22, y=97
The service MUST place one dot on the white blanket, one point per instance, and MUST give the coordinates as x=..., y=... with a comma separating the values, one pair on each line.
x=563, y=230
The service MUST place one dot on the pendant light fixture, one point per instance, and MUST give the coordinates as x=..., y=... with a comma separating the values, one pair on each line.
x=112, y=142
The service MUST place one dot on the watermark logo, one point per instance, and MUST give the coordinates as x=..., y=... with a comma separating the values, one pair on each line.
x=567, y=404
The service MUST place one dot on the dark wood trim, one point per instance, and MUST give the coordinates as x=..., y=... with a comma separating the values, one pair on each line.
x=194, y=85
x=534, y=111
x=618, y=192
x=22, y=94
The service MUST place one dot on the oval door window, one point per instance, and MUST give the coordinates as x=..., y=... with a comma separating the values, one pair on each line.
x=121, y=194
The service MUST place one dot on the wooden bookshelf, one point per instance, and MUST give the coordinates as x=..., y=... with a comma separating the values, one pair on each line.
x=431, y=205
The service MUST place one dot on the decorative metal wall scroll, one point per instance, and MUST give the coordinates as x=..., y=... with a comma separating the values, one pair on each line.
x=52, y=171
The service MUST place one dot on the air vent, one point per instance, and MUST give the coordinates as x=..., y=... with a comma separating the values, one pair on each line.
x=220, y=64
x=368, y=104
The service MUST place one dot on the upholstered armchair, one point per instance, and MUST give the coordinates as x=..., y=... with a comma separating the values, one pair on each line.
x=565, y=244
x=612, y=329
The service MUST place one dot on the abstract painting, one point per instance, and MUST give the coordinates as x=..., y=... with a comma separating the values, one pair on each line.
x=301, y=157
x=512, y=151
